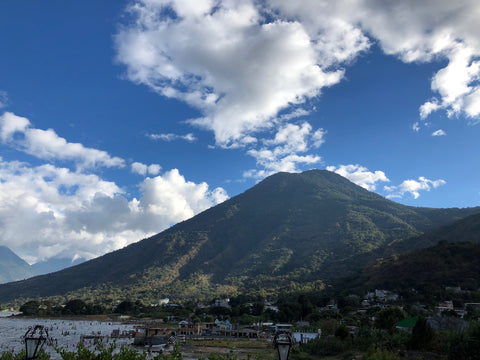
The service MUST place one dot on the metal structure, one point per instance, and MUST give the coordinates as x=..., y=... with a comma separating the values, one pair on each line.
x=35, y=337
x=283, y=343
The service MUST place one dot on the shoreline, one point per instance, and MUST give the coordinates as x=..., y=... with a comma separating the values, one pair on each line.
x=100, y=318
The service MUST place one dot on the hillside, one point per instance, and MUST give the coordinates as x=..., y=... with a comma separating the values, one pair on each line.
x=466, y=229
x=447, y=256
x=443, y=265
x=12, y=267
x=289, y=230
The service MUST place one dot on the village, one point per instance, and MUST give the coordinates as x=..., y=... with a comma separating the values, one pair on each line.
x=366, y=311
x=313, y=324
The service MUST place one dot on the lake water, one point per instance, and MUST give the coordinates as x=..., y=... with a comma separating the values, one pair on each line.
x=66, y=333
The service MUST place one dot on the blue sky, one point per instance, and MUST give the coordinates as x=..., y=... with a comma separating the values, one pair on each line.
x=121, y=118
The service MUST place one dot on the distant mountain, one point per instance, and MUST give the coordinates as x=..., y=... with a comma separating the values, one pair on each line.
x=466, y=229
x=429, y=269
x=54, y=264
x=447, y=256
x=290, y=230
x=12, y=267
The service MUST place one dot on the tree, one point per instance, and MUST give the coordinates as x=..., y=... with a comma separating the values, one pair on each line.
x=422, y=334
x=125, y=307
x=30, y=307
x=257, y=308
x=75, y=307
x=342, y=332
x=290, y=311
x=387, y=318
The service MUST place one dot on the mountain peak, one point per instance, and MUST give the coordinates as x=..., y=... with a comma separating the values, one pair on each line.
x=301, y=228
x=12, y=267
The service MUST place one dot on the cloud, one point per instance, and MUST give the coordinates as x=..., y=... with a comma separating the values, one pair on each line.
x=3, y=99
x=472, y=105
x=142, y=169
x=17, y=132
x=244, y=64
x=48, y=211
x=171, y=137
x=228, y=61
x=360, y=175
x=413, y=187
x=173, y=197
x=439, y=132
x=427, y=108
x=283, y=152
x=431, y=30
x=369, y=180
x=456, y=82
x=294, y=114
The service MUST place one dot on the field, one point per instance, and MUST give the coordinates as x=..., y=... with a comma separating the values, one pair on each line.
x=241, y=348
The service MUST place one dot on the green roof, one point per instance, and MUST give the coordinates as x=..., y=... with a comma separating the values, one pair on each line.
x=407, y=323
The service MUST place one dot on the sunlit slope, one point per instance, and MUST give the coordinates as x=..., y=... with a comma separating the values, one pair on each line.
x=290, y=229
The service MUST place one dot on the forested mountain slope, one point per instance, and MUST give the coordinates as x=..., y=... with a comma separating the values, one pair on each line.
x=288, y=230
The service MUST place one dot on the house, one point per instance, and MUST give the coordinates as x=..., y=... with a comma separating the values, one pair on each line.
x=353, y=330
x=381, y=295
x=187, y=328
x=407, y=324
x=474, y=306
x=303, y=323
x=454, y=289
x=283, y=327
x=331, y=306
x=269, y=306
x=223, y=325
x=445, y=305
x=441, y=322
x=224, y=303
x=272, y=308
x=304, y=337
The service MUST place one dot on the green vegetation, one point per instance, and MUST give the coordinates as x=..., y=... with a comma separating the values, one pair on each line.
x=103, y=352
x=371, y=343
x=374, y=344
x=430, y=272
x=346, y=331
x=291, y=240
x=290, y=233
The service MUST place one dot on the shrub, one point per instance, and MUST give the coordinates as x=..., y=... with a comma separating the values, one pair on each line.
x=422, y=335
x=464, y=345
x=380, y=354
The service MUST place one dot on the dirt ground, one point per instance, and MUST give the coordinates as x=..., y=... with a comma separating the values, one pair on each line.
x=243, y=349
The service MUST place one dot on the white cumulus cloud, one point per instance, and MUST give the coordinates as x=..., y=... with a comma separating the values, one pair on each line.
x=430, y=30
x=369, y=180
x=360, y=175
x=171, y=137
x=413, y=187
x=228, y=61
x=48, y=211
x=244, y=63
x=143, y=169
x=17, y=132
x=285, y=152
x=439, y=132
